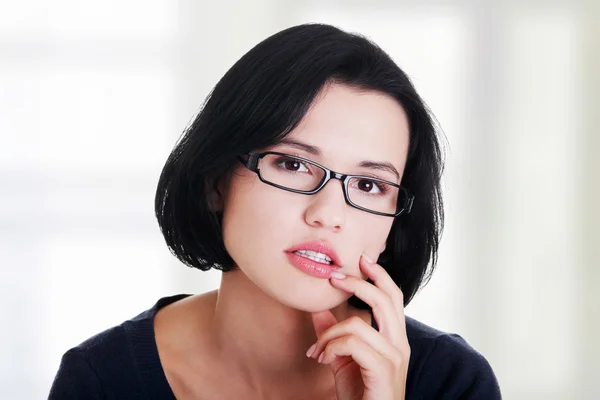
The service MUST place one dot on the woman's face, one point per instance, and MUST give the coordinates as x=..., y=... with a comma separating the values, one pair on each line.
x=261, y=222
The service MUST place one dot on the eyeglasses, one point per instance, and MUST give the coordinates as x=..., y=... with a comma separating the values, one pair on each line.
x=299, y=175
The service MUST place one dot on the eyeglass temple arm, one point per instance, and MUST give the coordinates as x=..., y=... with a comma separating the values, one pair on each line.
x=410, y=203
x=251, y=163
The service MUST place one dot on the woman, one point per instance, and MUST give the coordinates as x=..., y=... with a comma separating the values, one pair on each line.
x=311, y=178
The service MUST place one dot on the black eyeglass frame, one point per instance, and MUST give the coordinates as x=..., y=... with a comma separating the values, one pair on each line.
x=252, y=164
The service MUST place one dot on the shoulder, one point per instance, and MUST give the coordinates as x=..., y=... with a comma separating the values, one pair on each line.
x=444, y=365
x=85, y=369
x=95, y=368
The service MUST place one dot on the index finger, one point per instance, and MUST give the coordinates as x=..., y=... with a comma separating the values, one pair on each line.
x=384, y=281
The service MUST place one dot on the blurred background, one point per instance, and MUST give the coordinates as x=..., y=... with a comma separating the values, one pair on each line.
x=94, y=94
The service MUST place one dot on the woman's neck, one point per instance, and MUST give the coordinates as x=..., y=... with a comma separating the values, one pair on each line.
x=263, y=341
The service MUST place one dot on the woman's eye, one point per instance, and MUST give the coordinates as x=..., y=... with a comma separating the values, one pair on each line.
x=370, y=187
x=293, y=165
x=366, y=186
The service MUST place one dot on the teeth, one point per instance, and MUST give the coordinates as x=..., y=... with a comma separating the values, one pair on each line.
x=315, y=256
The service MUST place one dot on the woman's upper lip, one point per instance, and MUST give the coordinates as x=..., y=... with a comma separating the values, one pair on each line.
x=318, y=246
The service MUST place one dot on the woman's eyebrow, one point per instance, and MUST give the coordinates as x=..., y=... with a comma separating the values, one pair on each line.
x=378, y=165
x=382, y=166
x=301, y=146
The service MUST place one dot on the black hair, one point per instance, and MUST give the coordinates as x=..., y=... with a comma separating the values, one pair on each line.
x=260, y=100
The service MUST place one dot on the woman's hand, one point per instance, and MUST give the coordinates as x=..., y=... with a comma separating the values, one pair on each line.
x=366, y=364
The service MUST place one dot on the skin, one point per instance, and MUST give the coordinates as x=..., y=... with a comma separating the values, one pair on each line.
x=249, y=338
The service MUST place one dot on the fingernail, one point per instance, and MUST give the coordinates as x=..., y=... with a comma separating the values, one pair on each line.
x=321, y=357
x=367, y=258
x=337, y=275
x=311, y=350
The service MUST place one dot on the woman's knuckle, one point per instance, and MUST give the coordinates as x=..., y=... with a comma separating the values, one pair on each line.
x=352, y=341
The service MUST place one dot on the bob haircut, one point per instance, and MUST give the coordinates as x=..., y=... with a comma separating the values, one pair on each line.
x=259, y=101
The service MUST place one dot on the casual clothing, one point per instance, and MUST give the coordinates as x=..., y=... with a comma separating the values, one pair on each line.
x=123, y=363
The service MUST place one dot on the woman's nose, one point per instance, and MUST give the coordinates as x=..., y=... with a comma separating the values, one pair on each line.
x=327, y=208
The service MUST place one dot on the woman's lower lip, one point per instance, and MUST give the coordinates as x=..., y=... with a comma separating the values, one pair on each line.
x=312, y=267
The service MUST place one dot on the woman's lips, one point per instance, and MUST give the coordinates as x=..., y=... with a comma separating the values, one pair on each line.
x=319, y=246
x=312, y=267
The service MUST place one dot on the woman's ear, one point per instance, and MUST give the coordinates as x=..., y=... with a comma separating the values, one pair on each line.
x=215, y=201
x=215, y=194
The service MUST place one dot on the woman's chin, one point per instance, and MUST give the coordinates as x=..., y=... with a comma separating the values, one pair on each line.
x=315, y=301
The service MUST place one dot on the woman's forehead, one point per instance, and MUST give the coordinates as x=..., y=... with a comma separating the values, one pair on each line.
x=345, y=123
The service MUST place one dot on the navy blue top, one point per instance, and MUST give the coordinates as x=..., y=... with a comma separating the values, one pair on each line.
x=122, y=363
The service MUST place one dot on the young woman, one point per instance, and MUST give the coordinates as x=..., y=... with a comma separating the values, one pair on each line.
x=311, y=178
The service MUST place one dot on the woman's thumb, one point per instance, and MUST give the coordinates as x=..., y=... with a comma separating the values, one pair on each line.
x=322, y=321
